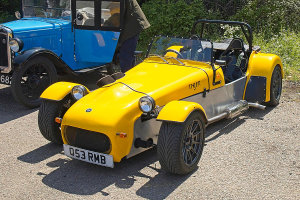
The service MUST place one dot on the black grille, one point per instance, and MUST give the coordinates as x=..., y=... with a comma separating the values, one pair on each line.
x=3, y=48
x=89, y=140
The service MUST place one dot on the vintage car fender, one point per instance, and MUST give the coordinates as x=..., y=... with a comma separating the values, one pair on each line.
x=25, y=56
x=260, y=69
x=59, y=90
x=178, y=111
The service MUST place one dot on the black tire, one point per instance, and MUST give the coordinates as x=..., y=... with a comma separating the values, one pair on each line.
x=48, y=111
x=276, y=87
x=173, y=146
x=31, y=79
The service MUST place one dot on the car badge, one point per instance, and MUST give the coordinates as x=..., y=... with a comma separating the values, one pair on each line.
x=88, y=110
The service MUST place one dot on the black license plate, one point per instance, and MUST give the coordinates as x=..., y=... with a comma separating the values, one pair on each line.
x=5, y=79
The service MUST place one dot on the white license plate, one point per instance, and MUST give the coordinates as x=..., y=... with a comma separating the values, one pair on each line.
x=89, y=156
x=5, y=79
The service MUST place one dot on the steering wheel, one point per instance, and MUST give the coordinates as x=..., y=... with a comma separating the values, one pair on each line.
x=175, y=51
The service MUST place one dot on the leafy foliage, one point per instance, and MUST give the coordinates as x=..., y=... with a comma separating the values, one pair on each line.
x=275, y=22
x=172, y=18
x=286, y=45
x=270, y=16
x=7, y=9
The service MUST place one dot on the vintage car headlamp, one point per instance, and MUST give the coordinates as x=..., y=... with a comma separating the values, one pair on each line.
x=16, y=45
x=78, y=92
x=147, y=104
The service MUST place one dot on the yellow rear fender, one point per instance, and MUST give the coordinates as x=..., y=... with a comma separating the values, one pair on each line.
x=261, y=66
x=178, y=111
x=59, y=90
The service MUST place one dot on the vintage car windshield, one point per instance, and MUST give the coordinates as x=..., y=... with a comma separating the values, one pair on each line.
x=187, y=49
x=47, y=8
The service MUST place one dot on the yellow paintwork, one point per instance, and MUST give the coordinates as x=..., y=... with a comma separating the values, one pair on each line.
x=58, y=91
x=263, y=64
x=115, y=107
x=172, y=54
x=178, y=111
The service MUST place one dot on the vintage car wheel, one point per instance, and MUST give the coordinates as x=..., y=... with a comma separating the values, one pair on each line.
x=276, y=87
x=48, y=111
x=31, y=79
x=180, y=145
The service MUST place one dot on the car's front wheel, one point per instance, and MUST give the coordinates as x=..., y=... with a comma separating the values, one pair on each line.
x=48, y=111
x=180, y=145
x=31, y=79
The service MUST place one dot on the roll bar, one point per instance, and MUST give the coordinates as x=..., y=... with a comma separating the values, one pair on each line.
x=246, y=28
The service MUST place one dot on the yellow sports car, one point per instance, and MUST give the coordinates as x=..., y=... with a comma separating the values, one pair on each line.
x=166, y=101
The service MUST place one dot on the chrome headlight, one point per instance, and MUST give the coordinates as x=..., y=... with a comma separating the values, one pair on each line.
x=78, y=92
x=16, y=45
x=147, y=104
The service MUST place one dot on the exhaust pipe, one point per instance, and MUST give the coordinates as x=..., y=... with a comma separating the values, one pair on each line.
x=235, y=109
x=257, y=105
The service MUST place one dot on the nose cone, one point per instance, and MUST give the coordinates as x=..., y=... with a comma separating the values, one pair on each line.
x=105, y=110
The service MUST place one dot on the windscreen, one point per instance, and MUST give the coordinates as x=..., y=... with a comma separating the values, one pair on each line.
x=47, y=8
x=187, y=49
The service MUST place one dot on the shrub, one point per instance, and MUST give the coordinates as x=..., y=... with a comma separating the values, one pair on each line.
x=270, y=16
x=8, y=8
x=286, y=45
x=172, y=18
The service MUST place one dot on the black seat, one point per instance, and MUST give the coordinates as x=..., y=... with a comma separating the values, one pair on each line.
x=235, y=59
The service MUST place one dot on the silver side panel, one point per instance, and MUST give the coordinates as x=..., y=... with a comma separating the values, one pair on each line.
x=144, y=130
x=216, y=101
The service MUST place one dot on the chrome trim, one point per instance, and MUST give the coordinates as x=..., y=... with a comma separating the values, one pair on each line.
x=155, y=55
x=7, y=69
x=177, y=60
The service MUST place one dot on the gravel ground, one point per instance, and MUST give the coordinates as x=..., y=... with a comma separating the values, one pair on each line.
x=255, y=156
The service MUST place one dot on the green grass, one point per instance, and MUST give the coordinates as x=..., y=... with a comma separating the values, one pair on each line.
x=287, y=46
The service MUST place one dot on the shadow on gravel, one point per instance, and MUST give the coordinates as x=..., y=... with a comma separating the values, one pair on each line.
x=76, y=177
x=80, y=178
x=228, y=125
x=10, y=109
x=41, y=153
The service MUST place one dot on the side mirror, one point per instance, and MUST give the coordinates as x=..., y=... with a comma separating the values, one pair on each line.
x=220, y=62
x=18, y=15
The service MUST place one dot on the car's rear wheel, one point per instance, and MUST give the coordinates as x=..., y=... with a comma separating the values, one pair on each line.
x=31, y=79
x=180, y=145
x=48, y=111
x=276, y=87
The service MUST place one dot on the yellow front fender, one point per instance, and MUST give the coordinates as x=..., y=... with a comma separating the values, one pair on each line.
x=58, y=91
x=178, y=111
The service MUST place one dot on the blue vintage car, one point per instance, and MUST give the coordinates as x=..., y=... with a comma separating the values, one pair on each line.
x=53, y=37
